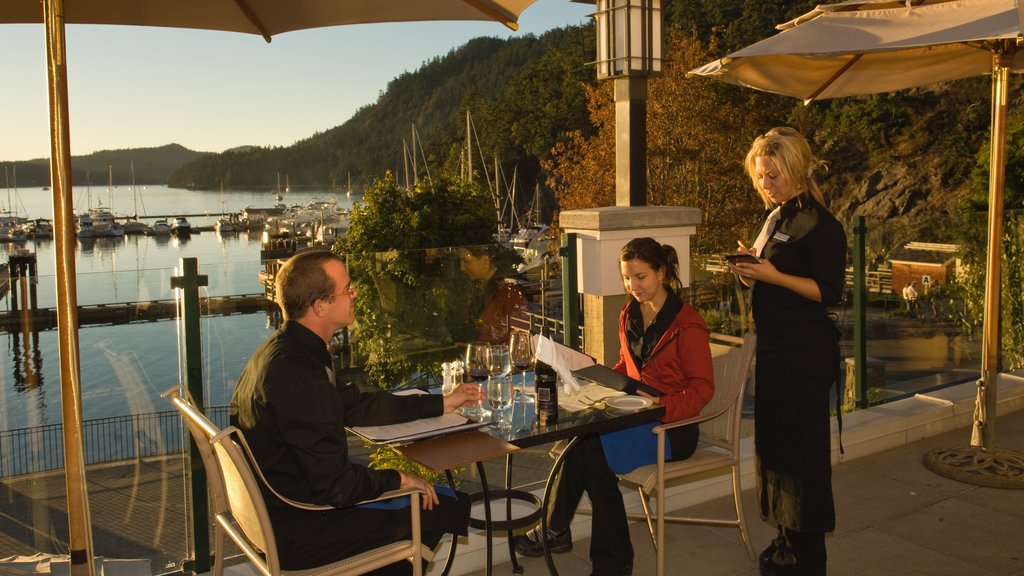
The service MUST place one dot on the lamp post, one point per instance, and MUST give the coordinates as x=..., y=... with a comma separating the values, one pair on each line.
x=629, y=51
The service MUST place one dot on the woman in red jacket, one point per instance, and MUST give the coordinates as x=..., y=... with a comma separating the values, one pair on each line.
x=665, y=344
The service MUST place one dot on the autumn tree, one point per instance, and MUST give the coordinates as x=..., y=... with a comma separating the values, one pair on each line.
x=698, y=132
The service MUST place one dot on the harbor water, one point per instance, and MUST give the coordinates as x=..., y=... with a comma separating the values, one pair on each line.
x=124, y=368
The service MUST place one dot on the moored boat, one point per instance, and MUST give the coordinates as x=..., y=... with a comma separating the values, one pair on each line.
x=161, y=227
x=181, y=227
x=224, y=225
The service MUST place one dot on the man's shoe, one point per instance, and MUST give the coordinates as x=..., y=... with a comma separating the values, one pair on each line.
x=530, y=544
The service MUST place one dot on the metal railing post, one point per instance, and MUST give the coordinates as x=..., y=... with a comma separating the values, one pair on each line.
x=189, y=283
x=860, y=338
x=570, y=292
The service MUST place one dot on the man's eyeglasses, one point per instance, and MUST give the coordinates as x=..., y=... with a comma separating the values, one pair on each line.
x=346, y=291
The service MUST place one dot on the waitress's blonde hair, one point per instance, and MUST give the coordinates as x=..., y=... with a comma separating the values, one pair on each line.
x=791, y=154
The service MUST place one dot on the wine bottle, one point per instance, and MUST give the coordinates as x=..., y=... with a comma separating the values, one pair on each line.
x=546, y=381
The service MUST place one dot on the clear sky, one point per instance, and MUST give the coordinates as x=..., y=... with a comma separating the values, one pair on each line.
x=133, y=87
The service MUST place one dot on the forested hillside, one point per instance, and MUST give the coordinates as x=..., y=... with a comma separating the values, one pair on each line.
x=908, y=159
x=152, y=166
x=914, y=162
x=523, y=95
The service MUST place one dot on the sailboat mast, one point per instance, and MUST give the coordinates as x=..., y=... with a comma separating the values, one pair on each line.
x=469, y=148
x=135, y=195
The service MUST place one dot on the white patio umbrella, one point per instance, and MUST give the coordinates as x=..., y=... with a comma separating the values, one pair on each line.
x=871, y=46
x=262, y=17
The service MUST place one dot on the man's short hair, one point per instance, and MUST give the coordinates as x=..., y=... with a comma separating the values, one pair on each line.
x=301, y=281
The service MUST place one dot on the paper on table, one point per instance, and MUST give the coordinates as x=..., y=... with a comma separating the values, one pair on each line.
x=417, y=429
x=562, y=359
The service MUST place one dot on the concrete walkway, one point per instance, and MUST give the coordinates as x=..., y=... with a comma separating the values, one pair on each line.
x=895, y=516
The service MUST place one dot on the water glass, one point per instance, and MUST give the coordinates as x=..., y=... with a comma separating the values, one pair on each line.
x=499, y=394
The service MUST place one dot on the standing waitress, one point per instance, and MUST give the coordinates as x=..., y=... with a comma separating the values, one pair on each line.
x=802, y=271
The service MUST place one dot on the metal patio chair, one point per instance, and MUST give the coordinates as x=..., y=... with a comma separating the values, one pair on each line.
x=240, y=512
x=718, y=452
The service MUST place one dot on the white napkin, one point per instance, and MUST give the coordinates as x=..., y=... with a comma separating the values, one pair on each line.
x=586, y=397
x=562, y=359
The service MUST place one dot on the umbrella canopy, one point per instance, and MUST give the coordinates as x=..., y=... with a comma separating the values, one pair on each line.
x=871, y=46
x=866, y=47
x=265, y=17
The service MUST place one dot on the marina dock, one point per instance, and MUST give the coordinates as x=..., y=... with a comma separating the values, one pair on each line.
x=128, y=312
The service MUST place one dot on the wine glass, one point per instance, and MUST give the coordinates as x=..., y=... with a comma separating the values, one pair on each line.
x=478, y=368
x=520, y=351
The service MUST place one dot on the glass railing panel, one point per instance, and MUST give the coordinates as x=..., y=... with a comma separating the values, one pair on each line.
x=129, y=354
x=912, y=346
x=418, y=308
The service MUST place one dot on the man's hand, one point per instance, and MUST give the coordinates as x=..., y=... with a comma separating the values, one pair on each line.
x=462, y=395
x=429, y=496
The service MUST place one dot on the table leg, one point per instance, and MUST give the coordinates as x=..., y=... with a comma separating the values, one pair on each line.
x=487, y=514
x=555, y=468
x=516, y=568
x=455, y=539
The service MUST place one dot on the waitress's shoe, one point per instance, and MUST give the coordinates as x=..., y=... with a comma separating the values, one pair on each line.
x=530, y=544
x=627, y=571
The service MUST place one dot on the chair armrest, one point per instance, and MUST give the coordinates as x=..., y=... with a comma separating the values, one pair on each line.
x=393, y=494
x=295, y=503
x=660, y=428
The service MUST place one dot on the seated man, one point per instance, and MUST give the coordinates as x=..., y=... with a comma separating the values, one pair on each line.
x=294, y=415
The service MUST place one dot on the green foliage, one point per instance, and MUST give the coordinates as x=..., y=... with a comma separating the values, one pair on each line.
x=385, y=458
x=410, y=288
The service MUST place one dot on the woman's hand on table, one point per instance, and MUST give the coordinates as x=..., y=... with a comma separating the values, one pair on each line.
x=429, y=496
x=464, y=394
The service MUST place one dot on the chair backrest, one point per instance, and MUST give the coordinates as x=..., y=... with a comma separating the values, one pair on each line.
x=201, y=429
x=245, y=501
x=233, y=486
x=732, y=368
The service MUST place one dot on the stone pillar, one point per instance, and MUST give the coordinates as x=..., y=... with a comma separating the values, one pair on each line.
x=600, y=235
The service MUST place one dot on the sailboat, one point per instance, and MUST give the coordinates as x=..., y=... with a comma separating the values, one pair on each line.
x=133, y=225
x=83, y=222
x=224, y=224
x=10, y=224
x=103, y=222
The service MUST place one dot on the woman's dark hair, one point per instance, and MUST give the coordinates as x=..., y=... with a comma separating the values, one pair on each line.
x=658, y=256
x=505, y=260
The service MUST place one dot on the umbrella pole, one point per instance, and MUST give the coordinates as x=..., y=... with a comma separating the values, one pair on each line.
x=981, y=463
x=984, y=431
x=79, y=523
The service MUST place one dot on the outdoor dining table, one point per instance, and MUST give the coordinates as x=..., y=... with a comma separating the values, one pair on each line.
x=475, y=446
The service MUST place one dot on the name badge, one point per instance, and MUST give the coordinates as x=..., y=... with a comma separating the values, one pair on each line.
x=781, y=237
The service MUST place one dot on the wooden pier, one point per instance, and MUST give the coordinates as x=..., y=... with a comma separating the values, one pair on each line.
x=130, y=312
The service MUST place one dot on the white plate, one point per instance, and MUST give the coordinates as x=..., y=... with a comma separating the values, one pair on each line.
x=629, y=402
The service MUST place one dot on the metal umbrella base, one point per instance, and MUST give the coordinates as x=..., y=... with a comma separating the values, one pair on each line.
x=975, y=465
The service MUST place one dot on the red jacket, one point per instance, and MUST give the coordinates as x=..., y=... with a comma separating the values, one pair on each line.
x=680, y=364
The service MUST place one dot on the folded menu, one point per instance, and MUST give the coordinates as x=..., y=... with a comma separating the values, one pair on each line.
x=417, y=429
x=605, y=376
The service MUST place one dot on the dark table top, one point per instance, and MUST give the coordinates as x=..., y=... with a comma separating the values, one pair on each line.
x=571, y=424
